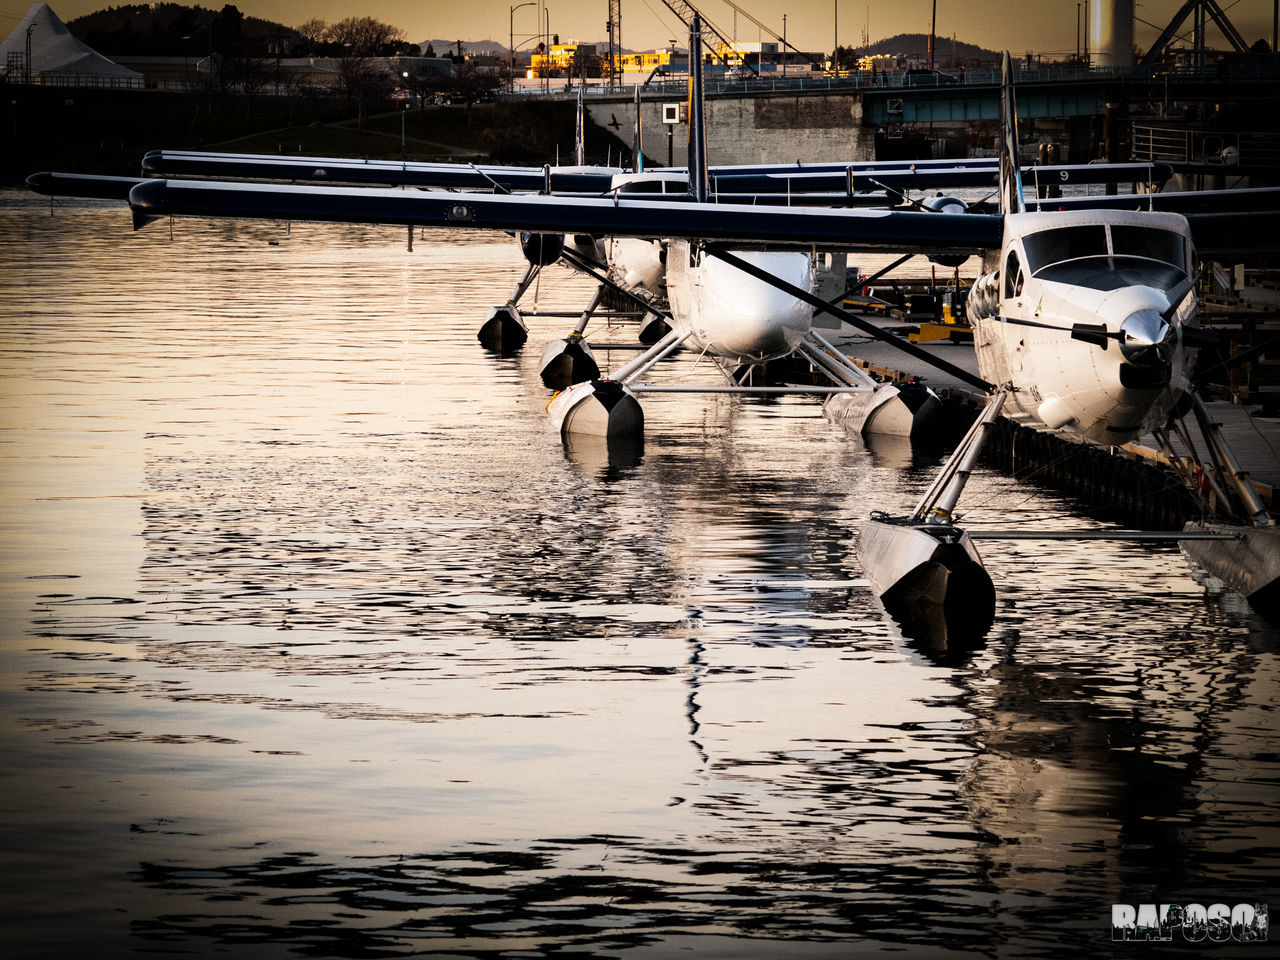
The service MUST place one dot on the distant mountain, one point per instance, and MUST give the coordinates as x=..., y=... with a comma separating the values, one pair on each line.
x=917, y=45
x=449, y=48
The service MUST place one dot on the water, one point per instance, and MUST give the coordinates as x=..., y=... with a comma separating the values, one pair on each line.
x=317, y=642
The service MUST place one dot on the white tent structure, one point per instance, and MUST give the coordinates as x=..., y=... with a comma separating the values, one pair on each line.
x=56, y=58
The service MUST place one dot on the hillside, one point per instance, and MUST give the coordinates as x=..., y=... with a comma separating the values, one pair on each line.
x=158, y=29
x=917, y=45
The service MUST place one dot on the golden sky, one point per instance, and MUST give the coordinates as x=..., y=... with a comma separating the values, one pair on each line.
x=1043, y=26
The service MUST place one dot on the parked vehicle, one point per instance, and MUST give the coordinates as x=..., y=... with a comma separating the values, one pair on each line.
x=922, y=77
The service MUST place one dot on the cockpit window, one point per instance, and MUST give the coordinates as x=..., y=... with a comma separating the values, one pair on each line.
x=669, y=187
x=1064, y=243
x=1012, y=275
x=1112, y=273
x=641, y=186
x=1163, y=245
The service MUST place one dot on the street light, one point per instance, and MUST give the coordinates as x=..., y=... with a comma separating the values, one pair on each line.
x=511, y=43
x=403, y=110
x=30, y=27
x=546, y=68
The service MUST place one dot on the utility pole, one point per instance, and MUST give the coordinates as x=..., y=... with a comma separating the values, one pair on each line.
x=933, y=29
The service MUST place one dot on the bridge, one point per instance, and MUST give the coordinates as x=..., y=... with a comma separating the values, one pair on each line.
x=823, y=117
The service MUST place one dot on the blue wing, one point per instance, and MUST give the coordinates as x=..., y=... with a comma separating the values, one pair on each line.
x=772, y=226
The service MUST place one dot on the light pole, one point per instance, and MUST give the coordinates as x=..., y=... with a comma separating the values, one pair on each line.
x=511, y=43
x=546, y=61
x=30, y=27
x=784, y=46
x=404, y=107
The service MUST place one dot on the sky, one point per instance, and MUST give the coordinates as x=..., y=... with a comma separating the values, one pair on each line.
x=1040, y=26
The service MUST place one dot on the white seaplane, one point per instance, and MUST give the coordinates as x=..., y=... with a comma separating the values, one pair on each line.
x=1085, y=321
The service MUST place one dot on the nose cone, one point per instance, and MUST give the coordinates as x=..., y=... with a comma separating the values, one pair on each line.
x=1146, y=339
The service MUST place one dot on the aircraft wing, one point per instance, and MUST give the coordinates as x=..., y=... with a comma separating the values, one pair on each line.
x=1185, y=202
x=83, y=185
x=759, y=179
x=245, y=166
x=776, y=227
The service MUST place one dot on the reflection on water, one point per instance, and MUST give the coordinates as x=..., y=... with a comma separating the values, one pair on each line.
x=319, y=642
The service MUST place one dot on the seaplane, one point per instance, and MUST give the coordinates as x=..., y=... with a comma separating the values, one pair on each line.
x=1085, y=321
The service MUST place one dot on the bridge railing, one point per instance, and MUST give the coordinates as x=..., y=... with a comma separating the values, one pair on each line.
x=676, y=85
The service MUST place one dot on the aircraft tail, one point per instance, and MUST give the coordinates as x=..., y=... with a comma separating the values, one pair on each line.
x=698, y=185
x=1011, y=200
x=579, y=138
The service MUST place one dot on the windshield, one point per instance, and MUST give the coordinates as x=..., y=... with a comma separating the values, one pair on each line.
x=1163, y=245
x=641, y=186
x=1112, y=273
x=1064, y=243
x=666, y=185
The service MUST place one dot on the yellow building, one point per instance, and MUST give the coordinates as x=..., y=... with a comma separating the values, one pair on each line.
x=565, y=59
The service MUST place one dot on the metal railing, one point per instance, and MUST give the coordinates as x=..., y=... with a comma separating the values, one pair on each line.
x=77, y=80
x=902, y=80
x=1170, y=144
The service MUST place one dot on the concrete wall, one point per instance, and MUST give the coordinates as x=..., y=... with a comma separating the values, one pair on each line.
x=767, y=128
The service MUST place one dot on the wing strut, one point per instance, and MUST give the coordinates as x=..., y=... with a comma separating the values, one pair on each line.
x=716, y=250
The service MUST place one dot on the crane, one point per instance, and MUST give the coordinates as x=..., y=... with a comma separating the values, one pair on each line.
x=687, y=11
x=770, y=31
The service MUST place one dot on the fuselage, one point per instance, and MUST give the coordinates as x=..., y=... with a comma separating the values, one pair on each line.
x=731, y=313
x=728, y=312
x=1118, y=281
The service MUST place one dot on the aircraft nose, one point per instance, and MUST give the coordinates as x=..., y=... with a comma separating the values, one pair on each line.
x=1145, y=338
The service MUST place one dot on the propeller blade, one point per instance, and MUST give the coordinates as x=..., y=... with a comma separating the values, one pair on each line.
x=1095, y=333
x=1175, y=302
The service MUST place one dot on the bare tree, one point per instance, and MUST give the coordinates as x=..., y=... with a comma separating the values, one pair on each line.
x=251, y=74
x=470, y=85
x=314, y=32
x=362, y=39
x=365, y=36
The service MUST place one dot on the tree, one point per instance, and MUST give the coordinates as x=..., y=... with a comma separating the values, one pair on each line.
x=251, y=75
x=313, y=32
x=469, y=84
x=431, y=51
x=427, y=84
x=365, y=36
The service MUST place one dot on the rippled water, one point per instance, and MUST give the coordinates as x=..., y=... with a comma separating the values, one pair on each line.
x=317, y=642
